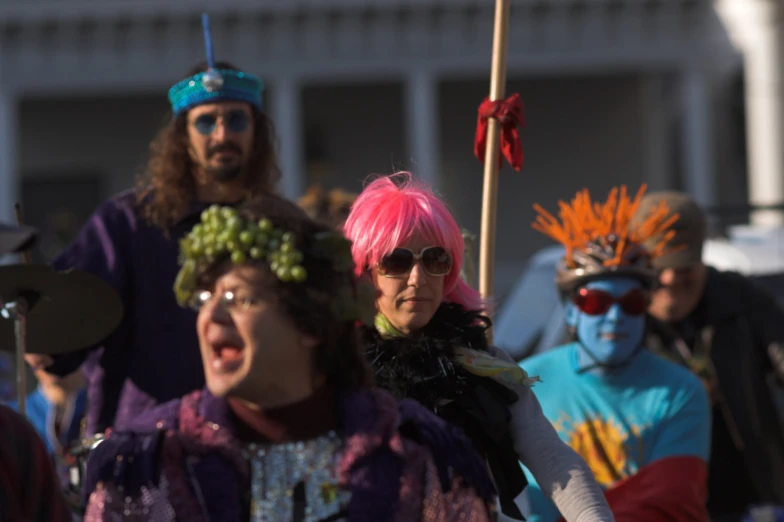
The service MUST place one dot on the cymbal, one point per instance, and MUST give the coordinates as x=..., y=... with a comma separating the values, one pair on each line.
x=16, y=239
x=68, y=310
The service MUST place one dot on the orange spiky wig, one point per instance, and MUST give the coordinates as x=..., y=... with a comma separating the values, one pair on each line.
x=608, y=238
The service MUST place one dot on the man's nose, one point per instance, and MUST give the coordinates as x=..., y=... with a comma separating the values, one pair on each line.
x=667, y=277
x=221, y=131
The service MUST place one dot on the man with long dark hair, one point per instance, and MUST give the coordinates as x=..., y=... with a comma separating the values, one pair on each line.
x=218, y=148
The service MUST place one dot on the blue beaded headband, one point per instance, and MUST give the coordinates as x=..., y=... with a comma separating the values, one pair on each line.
x=214, y=84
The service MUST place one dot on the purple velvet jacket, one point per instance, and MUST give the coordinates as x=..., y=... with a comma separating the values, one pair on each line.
x=132, y=370
x=182, y=461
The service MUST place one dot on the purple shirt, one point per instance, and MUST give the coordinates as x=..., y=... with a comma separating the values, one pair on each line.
x=153, y=356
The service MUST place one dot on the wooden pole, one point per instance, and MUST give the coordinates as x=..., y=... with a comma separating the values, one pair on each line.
x=492, y=150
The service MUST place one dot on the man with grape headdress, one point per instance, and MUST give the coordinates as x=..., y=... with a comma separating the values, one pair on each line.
x=288, y=426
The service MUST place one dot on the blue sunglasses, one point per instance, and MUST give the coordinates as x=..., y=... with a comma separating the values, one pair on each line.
x=235, y=121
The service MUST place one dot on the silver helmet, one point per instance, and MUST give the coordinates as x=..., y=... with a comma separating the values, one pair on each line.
x=606, y=239
x=600, y=259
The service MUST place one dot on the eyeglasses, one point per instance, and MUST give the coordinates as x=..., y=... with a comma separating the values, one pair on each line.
x=230, y=299
x=236, y=121
x=597, y=302
x=436, y=261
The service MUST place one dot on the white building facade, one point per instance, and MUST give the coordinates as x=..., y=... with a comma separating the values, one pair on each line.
x=615, y=91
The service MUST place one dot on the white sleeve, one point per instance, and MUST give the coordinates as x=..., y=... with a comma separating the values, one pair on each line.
x=561, y=473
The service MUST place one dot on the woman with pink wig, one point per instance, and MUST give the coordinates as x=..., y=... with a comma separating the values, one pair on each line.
x=429, y=344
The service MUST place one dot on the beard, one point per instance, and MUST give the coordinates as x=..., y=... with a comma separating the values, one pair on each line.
x=224, y=174
x=227, y=172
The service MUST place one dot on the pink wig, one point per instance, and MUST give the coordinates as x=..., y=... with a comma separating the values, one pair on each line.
x=393, y=208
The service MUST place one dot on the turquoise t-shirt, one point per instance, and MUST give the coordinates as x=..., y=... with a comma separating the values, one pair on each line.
x=618, y=421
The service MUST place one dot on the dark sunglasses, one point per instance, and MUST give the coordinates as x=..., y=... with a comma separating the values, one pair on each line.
x=597, y=302
x=436, y=261
x=235, y=121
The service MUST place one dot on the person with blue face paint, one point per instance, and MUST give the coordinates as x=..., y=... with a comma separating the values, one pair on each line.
x=641, y=423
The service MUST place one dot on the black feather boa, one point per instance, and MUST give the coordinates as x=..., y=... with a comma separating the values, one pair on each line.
x=421, y=366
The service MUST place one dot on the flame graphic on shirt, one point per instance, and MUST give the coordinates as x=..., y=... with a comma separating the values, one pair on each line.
x=602, y=444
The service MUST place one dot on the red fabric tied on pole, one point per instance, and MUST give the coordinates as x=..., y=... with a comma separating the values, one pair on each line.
x=509, y=113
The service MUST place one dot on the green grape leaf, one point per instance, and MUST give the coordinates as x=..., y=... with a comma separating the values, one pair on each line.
x=185, y=283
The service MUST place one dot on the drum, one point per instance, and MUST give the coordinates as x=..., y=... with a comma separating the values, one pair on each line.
x=76, y=464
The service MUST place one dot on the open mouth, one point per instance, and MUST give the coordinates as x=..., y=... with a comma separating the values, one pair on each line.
x=614, y=336
x=226, y=357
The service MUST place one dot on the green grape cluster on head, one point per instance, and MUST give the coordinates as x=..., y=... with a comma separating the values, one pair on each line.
x=224, y=232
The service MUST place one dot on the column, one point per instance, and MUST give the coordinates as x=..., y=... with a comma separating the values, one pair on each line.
x=9, y=178
x=286, y=112
x=422, y=136
x=764, y=61
x=697, y=134
x=657, y=151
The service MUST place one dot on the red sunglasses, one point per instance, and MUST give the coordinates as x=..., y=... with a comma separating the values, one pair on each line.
x=597, y=302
